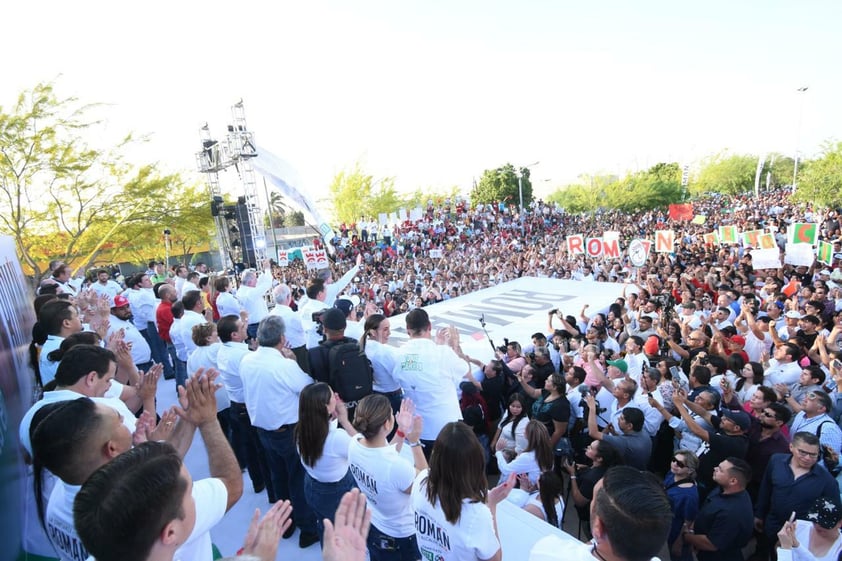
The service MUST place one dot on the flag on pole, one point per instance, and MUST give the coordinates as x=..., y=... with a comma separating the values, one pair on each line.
x=802, y=232
x=825, y=253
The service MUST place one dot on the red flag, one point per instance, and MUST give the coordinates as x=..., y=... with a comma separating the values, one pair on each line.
x=682, y=211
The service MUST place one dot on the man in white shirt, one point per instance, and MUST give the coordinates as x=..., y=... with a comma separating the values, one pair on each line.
x=121, y=318
x=194, y=307
x=191, y=283
x=271, y=390
x=316, y=302
x=143, y=305
x=294, y=328
x=60, y=319
x=105, y=286
x=117, y=499
x=226, y=303
x=353, y=328
x=232, y=335
x=784, y=368
x=250, y=295
x=429, y=374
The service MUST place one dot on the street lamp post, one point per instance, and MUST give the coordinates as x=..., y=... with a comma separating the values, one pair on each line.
x=800, y=90
x=520, y=185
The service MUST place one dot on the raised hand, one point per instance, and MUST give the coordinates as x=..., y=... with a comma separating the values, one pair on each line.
x=262, y=537
x=344, y=538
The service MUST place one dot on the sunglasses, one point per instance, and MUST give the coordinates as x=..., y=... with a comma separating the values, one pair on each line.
x=679, y=463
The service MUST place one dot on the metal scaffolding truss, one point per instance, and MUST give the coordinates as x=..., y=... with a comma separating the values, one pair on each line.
x=236, y=150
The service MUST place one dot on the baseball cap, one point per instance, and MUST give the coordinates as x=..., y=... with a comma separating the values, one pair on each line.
x=344, y=305
x=120, y=301
x=334, y=319
x=825, y=513
x=793, y=314
x=620, y=364
x=739, y=340
x=740, y=418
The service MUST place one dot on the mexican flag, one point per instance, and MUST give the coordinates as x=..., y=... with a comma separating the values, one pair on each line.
x=802, y=232
x=825, y=253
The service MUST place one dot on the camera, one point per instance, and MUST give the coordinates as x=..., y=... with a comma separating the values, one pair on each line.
x=317, y=318
x=167, y=232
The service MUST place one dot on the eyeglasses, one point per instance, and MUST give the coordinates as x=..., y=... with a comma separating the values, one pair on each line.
x=767, y=414
x=679, y=463
x=806, y=454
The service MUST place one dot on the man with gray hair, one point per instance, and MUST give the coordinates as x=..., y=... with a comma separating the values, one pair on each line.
x=271, y=390
x=250, y=294
x=294, y=328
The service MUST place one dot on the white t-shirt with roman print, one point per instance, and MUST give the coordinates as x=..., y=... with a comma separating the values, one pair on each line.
x=471, y=538
x=383, y=475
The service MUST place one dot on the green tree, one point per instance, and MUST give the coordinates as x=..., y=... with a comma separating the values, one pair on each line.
x=61, y=198
x=727, y=174
x=779, y=169
x=295, y=218
x=350, y=191
x=501, y=184
x=820, y=180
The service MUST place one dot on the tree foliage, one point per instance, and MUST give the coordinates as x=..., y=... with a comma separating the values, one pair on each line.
x=61, y=198
x=658, y=186
x=820, y=181
x=726, y=174
x=501, y=184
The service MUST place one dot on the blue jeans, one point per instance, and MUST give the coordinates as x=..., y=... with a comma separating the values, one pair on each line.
x=324, y=498
x=159, y=349
x=248, y=449
x=382, y=547
x=287, y=475
x=179, y=366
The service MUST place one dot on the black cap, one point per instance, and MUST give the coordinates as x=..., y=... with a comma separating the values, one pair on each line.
x=334, y=320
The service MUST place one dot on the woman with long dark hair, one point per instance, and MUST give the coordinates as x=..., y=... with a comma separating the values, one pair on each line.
x=383, y=357
x=512, y=428
x=547, y=503
x=583, y=478
x=452, y=498
x=323, y=448
x=535, y=459
x=385, y=476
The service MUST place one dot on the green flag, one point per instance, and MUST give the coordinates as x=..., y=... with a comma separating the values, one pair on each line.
x=825, y=253
x=802, y=232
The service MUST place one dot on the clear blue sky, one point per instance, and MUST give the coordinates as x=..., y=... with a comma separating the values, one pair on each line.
x=434, y=92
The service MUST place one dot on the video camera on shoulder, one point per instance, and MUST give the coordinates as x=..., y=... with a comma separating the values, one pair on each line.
x=317, y=318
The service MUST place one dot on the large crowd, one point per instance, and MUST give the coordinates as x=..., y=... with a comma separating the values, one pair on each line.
x=696, y=415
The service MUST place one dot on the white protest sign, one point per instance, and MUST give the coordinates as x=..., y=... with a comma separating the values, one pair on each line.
x=765, y=258
x=799, y=254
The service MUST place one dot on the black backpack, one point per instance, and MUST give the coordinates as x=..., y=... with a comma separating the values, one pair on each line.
x=349, y=371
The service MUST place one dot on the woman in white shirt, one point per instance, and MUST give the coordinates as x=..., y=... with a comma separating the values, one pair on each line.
x=547, y=503
x=537, y=457
x=323, y=448
x=512, y=428
x=383, y=357
x=454, y=510
x=385, y=476
x=815, y=539
x=204, y=356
